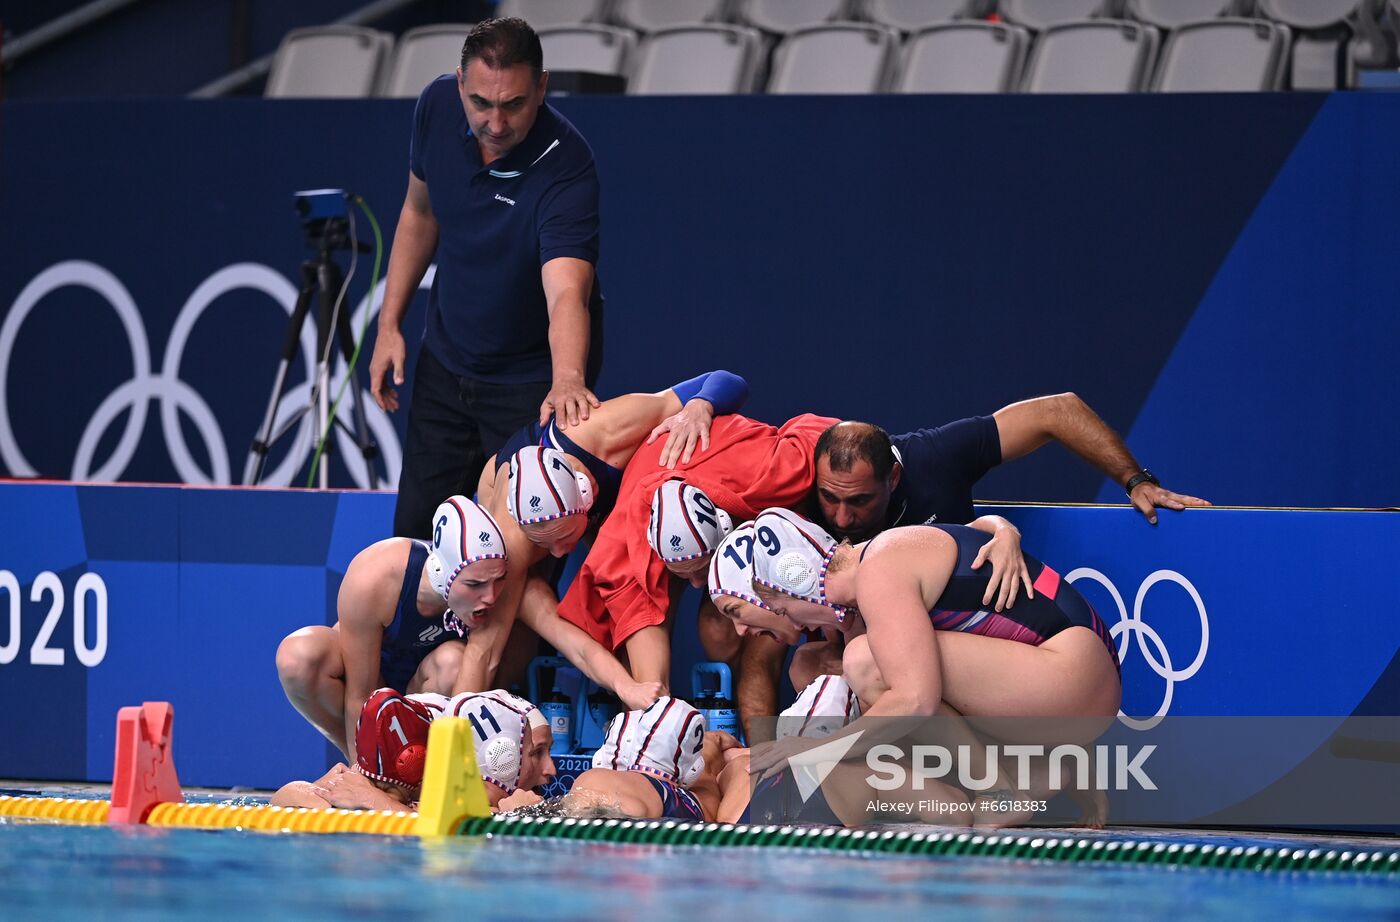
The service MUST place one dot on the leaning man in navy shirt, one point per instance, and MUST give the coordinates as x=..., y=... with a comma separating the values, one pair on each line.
x=503, y=191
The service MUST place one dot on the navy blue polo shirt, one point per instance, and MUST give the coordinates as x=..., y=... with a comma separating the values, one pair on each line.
x=497, y=225
x=941, y=466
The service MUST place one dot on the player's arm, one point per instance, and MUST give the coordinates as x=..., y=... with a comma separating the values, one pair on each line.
x=298, y=794
x=891, y=594
x=415, y=242
x=312, y=794
x=734, y=789
x=360, y=608
x=1029, y=424
x=702, y=398
x=539, y=611
x=568, y=282
x=487, y=643
x=685, y=411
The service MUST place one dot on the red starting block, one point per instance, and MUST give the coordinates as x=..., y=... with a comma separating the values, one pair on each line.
x=144, y=772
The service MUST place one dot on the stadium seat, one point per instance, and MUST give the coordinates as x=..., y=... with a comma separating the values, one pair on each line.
x=1168, y=14
x=422, y=55
x=700, y=59
x=1321, y=36
x=1373, y=46
x=1224, y=55
x=1038, y=15
x=783, y=17
x=1095, y=56
x=1309, y=14
x=650, y=15
x=544, y=14
x=963, y=57
x=912, y=15
x=835, y=58
x=591, y=49
x=329, y=61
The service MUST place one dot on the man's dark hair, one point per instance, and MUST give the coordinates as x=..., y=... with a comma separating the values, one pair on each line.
x=849, y=442
x=501, y=43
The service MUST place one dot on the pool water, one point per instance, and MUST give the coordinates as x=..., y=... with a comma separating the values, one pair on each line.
x=51, y=873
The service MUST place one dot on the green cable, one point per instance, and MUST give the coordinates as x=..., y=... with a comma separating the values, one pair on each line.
x=985, y=845
x=360, y=340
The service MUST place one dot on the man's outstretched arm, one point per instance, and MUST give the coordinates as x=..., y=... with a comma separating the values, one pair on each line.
x=1029, y=424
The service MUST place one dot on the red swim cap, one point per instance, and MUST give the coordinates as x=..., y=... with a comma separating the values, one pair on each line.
x=391, y=737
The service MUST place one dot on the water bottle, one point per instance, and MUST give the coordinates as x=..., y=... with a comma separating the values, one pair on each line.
x=556, y=706
x=717, y=704
x=558, y=710
x=603, y=706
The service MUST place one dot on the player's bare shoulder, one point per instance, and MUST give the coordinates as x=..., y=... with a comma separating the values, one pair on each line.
x=374, y=579
x=613, y=432
x=899, y=553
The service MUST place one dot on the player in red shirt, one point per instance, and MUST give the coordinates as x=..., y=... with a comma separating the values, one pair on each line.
x=622, y=594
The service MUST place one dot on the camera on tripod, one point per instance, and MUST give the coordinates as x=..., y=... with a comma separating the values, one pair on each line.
x=325, y=217
x=326, y=221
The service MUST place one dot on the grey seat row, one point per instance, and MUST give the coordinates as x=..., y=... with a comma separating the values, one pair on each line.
x=786, y=16
x=968, y=56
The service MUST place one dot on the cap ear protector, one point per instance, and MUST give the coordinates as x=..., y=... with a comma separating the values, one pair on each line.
x=463, y=533
x=544, y=486
x=391, y=736
x=499, y=730
x=685, y=523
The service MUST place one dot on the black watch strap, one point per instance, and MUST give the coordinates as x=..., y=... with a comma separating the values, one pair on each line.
x=1142, y=476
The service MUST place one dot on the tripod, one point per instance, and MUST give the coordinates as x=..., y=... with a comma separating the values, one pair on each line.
x=320, y=278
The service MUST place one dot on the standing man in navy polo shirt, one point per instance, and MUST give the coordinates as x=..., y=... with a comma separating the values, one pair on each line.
x=503, y=190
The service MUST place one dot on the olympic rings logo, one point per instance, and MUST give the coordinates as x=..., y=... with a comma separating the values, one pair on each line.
x=1161, y=663
x=173, y=394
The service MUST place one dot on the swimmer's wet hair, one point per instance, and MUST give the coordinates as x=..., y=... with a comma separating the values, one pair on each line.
x=848, y=442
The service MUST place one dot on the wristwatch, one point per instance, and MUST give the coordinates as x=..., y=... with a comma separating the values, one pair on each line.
x=1142, y=476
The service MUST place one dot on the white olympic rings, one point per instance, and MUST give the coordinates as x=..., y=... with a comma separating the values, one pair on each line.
x=174, y=394
x=1161, y=663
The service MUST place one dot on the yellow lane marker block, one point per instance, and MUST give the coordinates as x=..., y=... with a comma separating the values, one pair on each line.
x=452, y=787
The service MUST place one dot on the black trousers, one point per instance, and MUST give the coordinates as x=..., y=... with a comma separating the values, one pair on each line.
x=454, y=425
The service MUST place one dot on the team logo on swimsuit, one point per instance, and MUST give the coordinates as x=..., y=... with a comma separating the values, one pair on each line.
x=484, y=537
x=429, y=634
x=675, y=542
x=534, y=504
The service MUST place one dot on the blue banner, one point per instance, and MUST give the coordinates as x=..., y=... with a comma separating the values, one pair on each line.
x=1222, y=296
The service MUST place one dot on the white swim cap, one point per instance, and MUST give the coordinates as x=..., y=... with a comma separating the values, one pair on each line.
x=731, y=569
x=665, y=739
x=532, y=714
x=463, y=533
x=791, y=555
x=685, y=523
x=544, y=486
x=824, y=707
x=500, y=728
